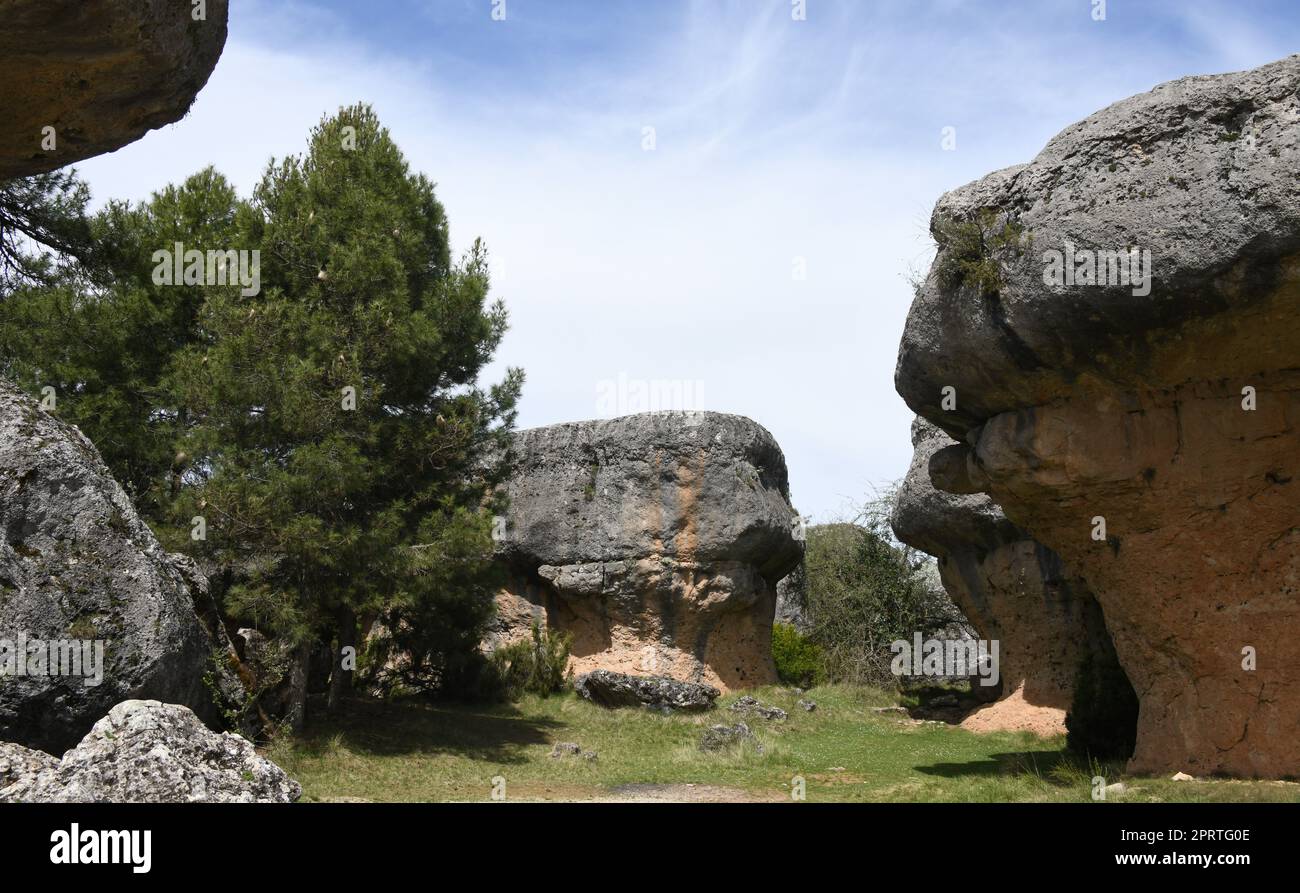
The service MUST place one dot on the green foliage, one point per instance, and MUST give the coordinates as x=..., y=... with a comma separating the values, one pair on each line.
x=798, y=659
x=43, y=228
x=1102, y=720
x=865, y=591
x=971, y=251
x=536, y=666
x=329, y=509
x=104, y=335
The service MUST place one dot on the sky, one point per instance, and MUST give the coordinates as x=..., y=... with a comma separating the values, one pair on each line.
x=699, y=204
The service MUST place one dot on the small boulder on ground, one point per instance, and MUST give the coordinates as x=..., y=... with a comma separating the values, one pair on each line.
x=750, y=705
x=610, y=689
x=569, y=749
x=146, y=752
x=720, y=737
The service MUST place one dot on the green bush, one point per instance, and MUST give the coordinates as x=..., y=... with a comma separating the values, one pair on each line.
x=866, y=590
x=538, y=666
x=971, y=251
x=798, y=660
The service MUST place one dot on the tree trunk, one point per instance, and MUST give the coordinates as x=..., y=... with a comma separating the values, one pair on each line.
x=299, y=663
x=341, y=677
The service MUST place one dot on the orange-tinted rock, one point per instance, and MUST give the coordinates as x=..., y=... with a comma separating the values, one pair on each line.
x=655, y=541
x=1011, y=588
x=101, y=74
x=1172, y=417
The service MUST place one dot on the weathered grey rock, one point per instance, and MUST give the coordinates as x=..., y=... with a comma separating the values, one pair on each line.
x=20, y=766
x=807, y=705
x=149, y=752
x=752, y=706
x=77, y=565
x=655, y=541
x=102, y=74
x=1201, y=171
x=721, y=737
x=1169, y=416
x=1011, y=588
x=610, y=689
x=792, y=599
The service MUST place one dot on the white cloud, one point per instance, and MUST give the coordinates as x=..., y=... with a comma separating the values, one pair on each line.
x=773, y=143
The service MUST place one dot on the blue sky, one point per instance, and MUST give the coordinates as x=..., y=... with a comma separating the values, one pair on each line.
x=779, y=145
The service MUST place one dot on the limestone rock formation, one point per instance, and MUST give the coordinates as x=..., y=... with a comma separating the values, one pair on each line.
x=79, y=571
x=610, y=689
x=100, y=74
x=1150, y=437
x=1011, y=588
x=147, y=752
x=655, y=540
x=792, y=599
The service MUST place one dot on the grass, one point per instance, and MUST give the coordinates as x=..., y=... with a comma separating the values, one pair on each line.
x=414, y=750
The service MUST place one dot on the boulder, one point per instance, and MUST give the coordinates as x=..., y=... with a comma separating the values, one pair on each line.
x=722, y=737
x=655, y=541
x=101, y=610
x=657, y=692
x=1150, y=437
x=1012, y=590
x=751, y=706
x=148, y=752
x=792, y=599
x=100, y=74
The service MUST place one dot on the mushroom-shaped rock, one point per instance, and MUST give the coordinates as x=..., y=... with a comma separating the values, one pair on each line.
x=1011, y=588
x=1111, y=331
x=655, y=540
x=81, y=78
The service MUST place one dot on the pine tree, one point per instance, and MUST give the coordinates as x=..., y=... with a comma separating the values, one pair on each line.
x=102, y=333
x=342, y=454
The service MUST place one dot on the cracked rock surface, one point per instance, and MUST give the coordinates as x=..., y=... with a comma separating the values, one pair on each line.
x=655, y=540
x=1173, y=417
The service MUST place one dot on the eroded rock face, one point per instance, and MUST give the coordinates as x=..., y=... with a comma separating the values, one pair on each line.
x=654, y=540
x=1010, y=587
x=1079, y=402
x=147, y=752
x=77, y=565
x=101, y=74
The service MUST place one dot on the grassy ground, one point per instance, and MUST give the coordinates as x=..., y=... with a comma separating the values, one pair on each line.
x=412, y=750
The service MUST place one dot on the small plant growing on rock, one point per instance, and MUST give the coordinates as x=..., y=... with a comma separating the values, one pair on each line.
x=970, y=251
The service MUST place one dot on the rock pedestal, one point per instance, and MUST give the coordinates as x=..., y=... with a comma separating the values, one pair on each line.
x=655, y=541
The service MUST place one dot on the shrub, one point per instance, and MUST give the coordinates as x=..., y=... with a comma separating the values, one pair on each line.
x=537, y=666
x=971, y=250
x=866, y=590
x=798, y=659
